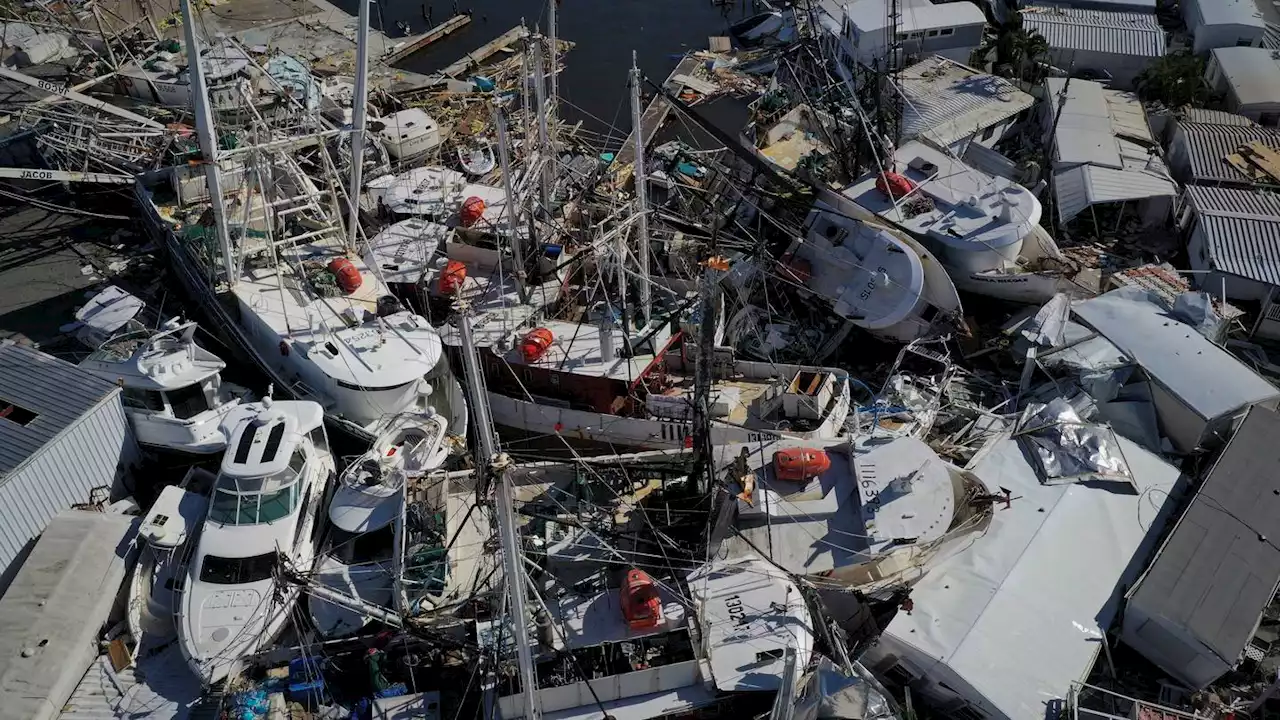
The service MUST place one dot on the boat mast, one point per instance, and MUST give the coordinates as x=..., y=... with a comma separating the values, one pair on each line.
x=553, y=60
x=208, y=144
x=359, y=101
x=642, y=191
x=540, y=95
x=517, y=251
x=497, y=464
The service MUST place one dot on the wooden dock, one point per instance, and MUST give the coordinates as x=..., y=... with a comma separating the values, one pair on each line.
x=484, y=52
x=651, y=121
x=414, y=44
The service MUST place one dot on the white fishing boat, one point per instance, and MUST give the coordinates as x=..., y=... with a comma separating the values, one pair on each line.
x=985, y=230
x=173, y=392
x=881, y=279
x=407, y=134
x=431, y=191
x=264, y=510
x=580, y=381
x=477, y=160
x=367, y=513
x=168, y=535
x=265, y=251
x=867, y=514
x=403, y=253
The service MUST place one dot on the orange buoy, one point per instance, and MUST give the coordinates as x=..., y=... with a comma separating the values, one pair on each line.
x=455, y=273
x=471, y=212
x=347, y=274
x=800, y=464
x=894, y=185
x=535, y=344
x=641, y=605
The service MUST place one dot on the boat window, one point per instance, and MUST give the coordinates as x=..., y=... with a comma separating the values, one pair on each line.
x=319, y=439
x=237, y=571
x=948, y=31
x=249, y=501
x=353, y=548
x=188, y=402
x=273, y=443
x=143, y=399
x=277, y=505
x=298, y=460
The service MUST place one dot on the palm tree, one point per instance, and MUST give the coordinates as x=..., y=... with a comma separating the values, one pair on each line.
x=1174, y=80
x=1018, y=51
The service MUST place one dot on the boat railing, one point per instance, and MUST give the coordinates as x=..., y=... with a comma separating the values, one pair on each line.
x=1089, y=702
x=202, y=282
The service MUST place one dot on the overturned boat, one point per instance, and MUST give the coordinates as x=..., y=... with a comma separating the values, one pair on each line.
x=881, y=279
x=985, y=230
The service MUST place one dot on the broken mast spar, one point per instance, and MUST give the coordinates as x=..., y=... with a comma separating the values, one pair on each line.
x=359, y=104
x=208, y=142
x=512, y=558
x=642, y=192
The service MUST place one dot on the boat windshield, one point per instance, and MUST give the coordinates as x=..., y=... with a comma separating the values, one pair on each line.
x=250, y=501
x=237, y=571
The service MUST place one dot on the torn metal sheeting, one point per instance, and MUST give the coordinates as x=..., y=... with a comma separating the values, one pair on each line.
x=1067, y=449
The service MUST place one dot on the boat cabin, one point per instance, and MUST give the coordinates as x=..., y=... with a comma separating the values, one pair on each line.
x=265, y=458
x=407, y=133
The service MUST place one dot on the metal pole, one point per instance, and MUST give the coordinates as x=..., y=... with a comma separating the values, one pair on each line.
x=511, y=555
x=642, y=191
x=540, y=94
x=553, y=59
x=359, y=101
x=517, y=251
x=208, y=144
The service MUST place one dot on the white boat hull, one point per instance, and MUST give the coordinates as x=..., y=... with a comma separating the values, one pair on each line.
x=369, y=582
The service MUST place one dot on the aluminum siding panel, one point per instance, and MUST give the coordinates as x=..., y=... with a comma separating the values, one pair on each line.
x=1119, y=33
x=1208, y=145
x=62, y=474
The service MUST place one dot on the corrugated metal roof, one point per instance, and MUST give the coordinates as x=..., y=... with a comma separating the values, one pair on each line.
x=1205, y=116
x=1213, y=577
x=946, y=101
x=1128, y=117
x=1080, y=187
x=1252, y=73
x=1121, y=33
x=168, y=693
x=1211, y=200
x=1207, y=145
x=58, y=392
